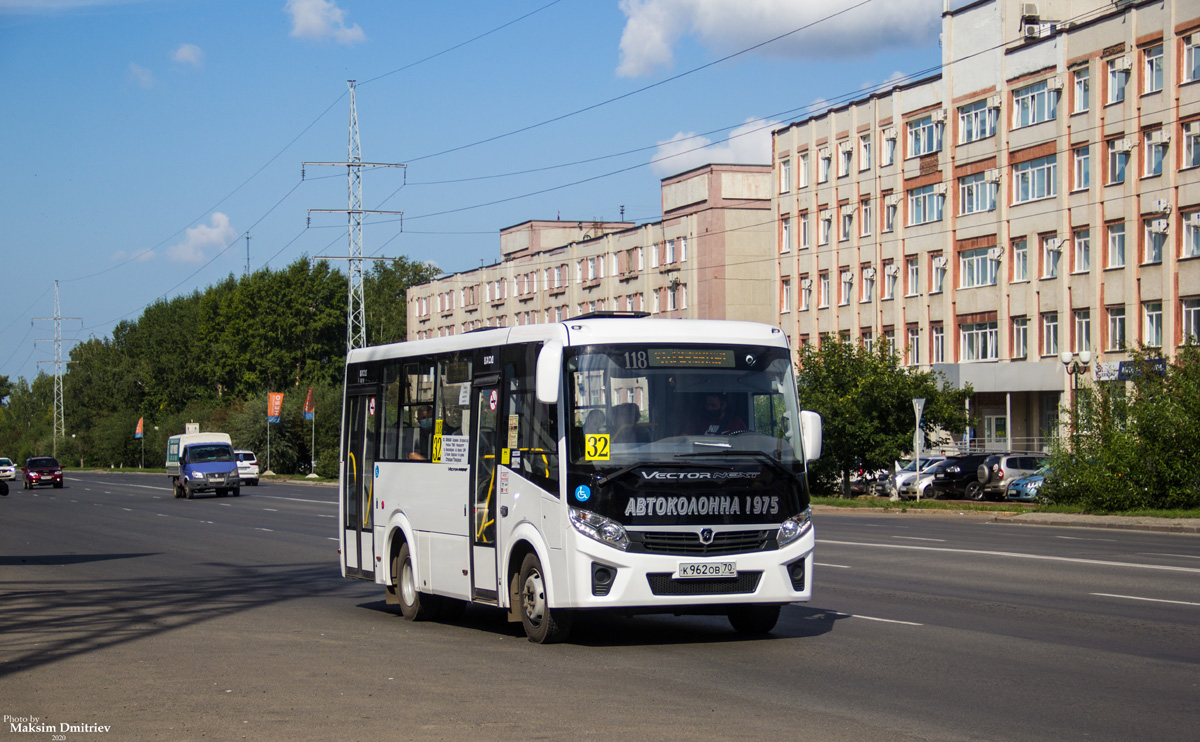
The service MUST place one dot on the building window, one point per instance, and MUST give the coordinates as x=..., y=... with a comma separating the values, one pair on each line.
x=978, y=342
x=805, y=292
x=889, y=280
x=939, y=344
x=924, y=136
x=1083, y=167
x=1191, y=57
x=804, y=231
x=824, y=160
x=1083, y=329
x=865, y=228
x=1118, y=159
x=913, y=275
x=925, y=205
x=868, y=283
x=864, y=152
x=975, y=194
x=641, y=258
x=1116, y=328
x=847, y=221
x=1191, y=235
x=845, y=155
x=1116, y=245
x=824, y=228
x=1083, y=92
x=670, y=252
x=975, y=268
x=785, y=234
x=1156, y=151
x=938, y=267
x=888, y=151
x=802, y=171
x=914, y=346
x=1050, y=334
x=976, y=121
x=1035, y=179
x=1083, y=250
x=1051, y=253
x=1152, y=326
x=1155, y=240
x=889, y=217
x=847, y=288
x=1034, y=104
x=1020, y=347
x=1153, y=69
x=867, y=339
x=1191, y=144
x=785, y=176
x=1118, y=77
x=1190, y=318
x=1020, y=262
x=823, y=291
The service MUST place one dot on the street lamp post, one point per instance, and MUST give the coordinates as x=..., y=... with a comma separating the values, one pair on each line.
x=1076, y=364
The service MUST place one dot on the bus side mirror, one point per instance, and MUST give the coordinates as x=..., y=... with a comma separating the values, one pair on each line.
x=549, y=372
x=810, y=434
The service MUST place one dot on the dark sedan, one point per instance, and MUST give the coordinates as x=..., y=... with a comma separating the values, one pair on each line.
x=42, y=470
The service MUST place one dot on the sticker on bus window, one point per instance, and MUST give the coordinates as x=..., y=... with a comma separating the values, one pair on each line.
x=437, y=448
x=595, y=447
x=505, y=456
x=513, y=422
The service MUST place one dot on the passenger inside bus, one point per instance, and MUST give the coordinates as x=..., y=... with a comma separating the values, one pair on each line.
x=625, y=424
x=422, y=441
x=715, y=418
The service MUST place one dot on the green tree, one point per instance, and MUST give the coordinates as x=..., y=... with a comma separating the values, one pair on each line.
x=385, y=291
x=865, y=398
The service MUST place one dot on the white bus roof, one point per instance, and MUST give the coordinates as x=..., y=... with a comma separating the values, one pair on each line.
x=588, y=331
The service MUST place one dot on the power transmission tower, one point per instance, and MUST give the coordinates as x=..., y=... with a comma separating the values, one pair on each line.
x=60, y=427
x=356, y=326
x=247, y=255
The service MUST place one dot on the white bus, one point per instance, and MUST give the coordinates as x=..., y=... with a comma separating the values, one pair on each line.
x=641, y=465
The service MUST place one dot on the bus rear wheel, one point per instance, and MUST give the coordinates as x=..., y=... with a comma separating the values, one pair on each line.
x=413, y=605
x=754, y=620
x=543, y=624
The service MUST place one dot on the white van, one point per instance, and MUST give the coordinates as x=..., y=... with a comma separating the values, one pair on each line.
x=247, y=465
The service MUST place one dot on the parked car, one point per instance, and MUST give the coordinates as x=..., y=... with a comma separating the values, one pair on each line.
x=999, y=469
x=907, y=486
x=42, y=470
x=8, y=470
x=1025, y=489
x=958, y=477
x=247, y=464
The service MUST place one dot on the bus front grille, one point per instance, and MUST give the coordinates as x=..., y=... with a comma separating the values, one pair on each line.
x=662, y=584
x=683, y=543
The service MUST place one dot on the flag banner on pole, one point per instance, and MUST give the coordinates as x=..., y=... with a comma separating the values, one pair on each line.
x=274, y=406
x=309, y=409
x=138, y=433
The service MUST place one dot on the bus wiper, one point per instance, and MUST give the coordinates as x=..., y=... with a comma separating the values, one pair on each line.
x=625, y=470
x=762, y=456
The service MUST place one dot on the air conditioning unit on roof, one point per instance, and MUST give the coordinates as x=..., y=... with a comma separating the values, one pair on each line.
x=1031, y=31
x=1030, y=10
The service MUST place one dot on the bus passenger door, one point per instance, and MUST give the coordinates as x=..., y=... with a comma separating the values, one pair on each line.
x=485, y=444
x=358, y=477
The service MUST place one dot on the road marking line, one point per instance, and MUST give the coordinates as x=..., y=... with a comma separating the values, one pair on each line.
x=321, y=515
x=918, y=538
x=161, y=515
x=330, y=538
x=837, y=566
x=1076, y=538
x=268, y=530
x=225, y=504
x=297, y=499
x=271, y=510
x=139, y=486
x=1149, y=600
x=875, y=618
x=127, y=510
x=1161, y=553
x=1018, y=555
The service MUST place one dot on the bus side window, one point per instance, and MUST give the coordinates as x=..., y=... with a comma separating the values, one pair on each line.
x=416, y=414
x=389, y=432
x=537, y=429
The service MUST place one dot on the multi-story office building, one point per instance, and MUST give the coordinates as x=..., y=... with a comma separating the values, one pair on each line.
x=708, y=257
x=1040, y=195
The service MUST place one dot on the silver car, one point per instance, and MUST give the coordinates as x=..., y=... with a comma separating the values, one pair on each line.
x=8, y=470
x=909, y=488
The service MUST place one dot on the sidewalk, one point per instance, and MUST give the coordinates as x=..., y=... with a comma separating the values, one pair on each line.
x=1066, y=520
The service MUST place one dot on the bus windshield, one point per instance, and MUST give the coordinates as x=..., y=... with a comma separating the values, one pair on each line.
x=637, y=403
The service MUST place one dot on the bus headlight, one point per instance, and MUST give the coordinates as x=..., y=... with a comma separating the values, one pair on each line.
x=794, y=527
x=599, y=528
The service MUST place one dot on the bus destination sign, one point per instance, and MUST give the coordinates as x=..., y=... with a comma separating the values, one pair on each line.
x=691, y=358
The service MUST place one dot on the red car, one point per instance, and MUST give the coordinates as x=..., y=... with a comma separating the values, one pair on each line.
x=42, y=470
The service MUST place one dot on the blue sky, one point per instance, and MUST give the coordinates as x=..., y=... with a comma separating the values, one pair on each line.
x=142, y=139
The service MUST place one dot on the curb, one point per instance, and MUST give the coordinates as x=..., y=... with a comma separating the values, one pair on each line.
x=1056, y=520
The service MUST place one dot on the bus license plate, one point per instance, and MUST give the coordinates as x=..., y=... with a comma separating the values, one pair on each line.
x=694, y=570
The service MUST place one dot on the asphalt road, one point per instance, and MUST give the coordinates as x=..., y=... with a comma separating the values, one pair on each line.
x=226, y=618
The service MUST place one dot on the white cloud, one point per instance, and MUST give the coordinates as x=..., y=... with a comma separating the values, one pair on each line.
x=141, y=75
x=748, y=144
x=725, y=26
x=189, y=54
x=319, y=19
x=217, y=234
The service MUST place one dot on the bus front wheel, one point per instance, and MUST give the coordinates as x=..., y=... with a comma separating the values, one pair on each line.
x=413, y=605
x=543, y=624
x=754, y=620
